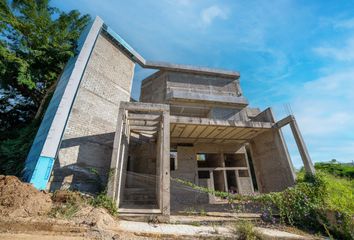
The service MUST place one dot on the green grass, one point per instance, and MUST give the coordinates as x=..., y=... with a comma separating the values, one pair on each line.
x=340, y=193
x=104, y=201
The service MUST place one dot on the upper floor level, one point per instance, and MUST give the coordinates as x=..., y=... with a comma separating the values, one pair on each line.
x=194, y=94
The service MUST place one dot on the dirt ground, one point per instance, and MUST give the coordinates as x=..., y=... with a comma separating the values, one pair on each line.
x=18, y=199
x=26, y=213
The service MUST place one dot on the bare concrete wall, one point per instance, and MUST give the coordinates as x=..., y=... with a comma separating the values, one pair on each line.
x=202, y=84
x=182, y=196
x=84, y=157
x=271, y=160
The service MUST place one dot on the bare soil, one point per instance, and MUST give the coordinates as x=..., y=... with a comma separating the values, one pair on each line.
x=18, y=199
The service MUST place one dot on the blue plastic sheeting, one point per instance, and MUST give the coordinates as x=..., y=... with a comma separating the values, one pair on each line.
x=33, y=163
x=42, y=172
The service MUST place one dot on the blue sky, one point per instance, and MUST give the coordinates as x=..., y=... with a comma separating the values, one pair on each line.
x=289, y=53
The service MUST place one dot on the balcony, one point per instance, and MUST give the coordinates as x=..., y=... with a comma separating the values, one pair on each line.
x=180, y=95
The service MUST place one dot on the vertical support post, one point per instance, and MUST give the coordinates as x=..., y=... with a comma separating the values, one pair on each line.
x=123, y=164
x=239, y=188
x=113, y=174
x=248, y=169
x=224, y=172
x=212, y=198
x=165, y=164
x=309, y=168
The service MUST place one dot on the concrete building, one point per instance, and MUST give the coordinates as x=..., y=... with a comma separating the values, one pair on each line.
x=191, y=123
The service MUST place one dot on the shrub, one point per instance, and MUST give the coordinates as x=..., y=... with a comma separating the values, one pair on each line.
x=312, y=204
x=337, y=169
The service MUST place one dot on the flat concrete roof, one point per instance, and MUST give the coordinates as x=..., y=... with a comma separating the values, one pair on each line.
x=136, y=57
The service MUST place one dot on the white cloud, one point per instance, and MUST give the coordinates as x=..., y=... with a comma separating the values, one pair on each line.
x=325, y=114
x=325, y=106
x=347, y=23
x=208, y=15
x=184, y=2
x=345, y=53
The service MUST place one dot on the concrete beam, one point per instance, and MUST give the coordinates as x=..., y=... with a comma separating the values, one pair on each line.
x=305, y=156
x=284, y=121
x=143, y=128
x=144, y=107
x=181, y=95
x=216, y=122
x=145, y=117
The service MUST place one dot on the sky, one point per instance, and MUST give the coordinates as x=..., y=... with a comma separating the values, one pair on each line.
x=295, y=56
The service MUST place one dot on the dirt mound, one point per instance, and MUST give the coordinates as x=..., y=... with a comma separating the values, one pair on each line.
x=96, y=217
x=18, y=199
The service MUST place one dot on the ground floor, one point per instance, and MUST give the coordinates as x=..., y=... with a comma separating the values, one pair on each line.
x=153, y=150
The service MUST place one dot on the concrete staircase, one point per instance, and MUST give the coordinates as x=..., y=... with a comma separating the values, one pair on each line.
x=139, y=198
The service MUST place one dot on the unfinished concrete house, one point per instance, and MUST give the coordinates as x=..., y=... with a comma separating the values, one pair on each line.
x=191, y=124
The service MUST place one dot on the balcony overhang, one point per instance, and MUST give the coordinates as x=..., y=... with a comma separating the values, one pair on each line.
x=181, y=95
x=205, y=130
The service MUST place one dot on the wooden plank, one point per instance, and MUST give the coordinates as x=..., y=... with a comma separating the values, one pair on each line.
x=246, y=133
x=178, y=130
x=257, y=133
x=172, y=127
x=226, y=131
x=198, y=131
x=252, y=133
x=188, y=130
x=232, y=133
x=207, y=131
x=216, y=132
x=238, y=134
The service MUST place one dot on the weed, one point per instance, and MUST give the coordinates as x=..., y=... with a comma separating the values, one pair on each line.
x=196, y=224
x=190, y=211
x=104, y=201
x=202, y=212
x=67, y=204
x=245, y=231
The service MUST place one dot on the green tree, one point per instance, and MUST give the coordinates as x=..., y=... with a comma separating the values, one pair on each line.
x=36, y=41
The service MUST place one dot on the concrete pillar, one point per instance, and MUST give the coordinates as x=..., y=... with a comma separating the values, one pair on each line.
x=309, y=168
x=114, y=174
x=165, y=164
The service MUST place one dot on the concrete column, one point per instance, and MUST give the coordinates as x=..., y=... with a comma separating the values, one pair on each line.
x=222, y=159
x=309, y=168
x=122, y=169
x=299, y=141
x=113, y=174
x=165, y=164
